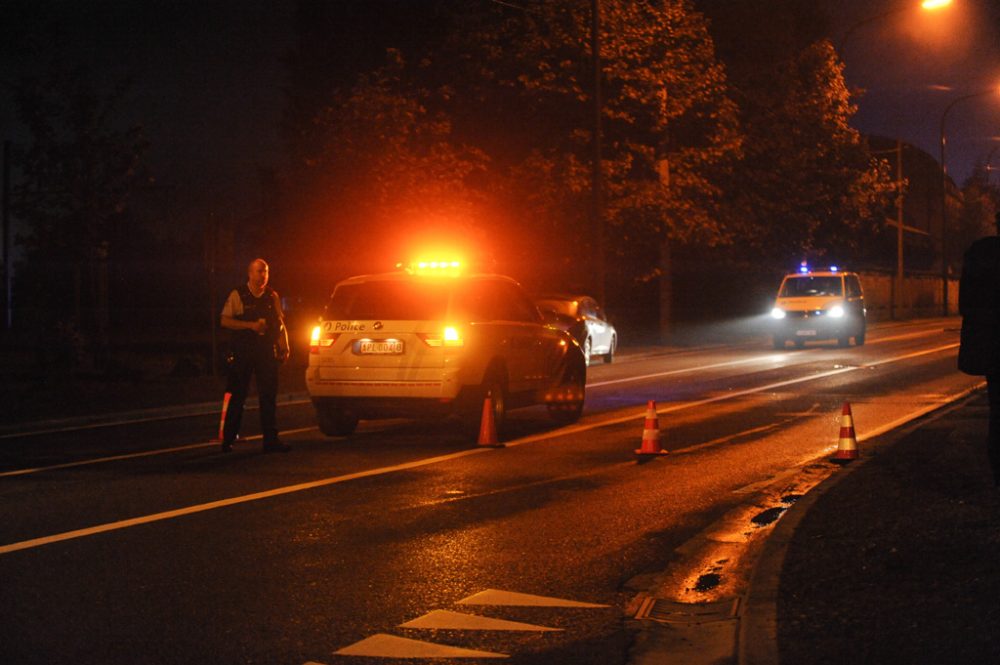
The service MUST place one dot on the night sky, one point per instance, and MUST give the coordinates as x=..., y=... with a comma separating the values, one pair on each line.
x=208, y=80
x=912, y=65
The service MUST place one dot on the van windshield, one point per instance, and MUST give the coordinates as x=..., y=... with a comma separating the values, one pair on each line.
x=805, y=286
x=390, y=300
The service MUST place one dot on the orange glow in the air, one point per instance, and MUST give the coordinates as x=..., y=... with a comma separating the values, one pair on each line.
x=934, y=4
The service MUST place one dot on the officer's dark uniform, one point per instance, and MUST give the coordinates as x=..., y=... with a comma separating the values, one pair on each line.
x=979, y=353
x=255, y=354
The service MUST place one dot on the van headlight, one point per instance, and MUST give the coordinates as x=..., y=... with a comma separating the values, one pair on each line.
x=837, y=312
x=777, y=313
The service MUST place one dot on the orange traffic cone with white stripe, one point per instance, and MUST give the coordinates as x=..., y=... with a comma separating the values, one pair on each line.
x=847, y=448
x=650, y=434
x=222, y=418
x=488, y=425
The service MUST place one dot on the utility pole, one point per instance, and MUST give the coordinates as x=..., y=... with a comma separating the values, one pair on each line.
x=897, y=296
x=7, y=272
x=596, y=176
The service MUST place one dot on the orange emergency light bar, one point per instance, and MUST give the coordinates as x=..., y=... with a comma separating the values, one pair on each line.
x=435, y=267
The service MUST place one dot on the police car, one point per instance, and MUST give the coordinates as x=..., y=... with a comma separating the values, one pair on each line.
x=433, y=340
x=819, y=305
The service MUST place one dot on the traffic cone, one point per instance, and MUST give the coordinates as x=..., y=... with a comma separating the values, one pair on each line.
x=488, y=425
x=847, y=448
x=222, y=418
x=650, y=434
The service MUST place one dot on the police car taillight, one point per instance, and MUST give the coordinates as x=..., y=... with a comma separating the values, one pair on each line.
x=450, y=336
x=318, y=340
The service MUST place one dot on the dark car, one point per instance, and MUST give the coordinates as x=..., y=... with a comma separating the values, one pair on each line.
x=582, y=317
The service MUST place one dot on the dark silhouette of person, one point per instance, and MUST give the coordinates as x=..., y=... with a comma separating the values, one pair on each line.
x=260, y=343
x=979, y=353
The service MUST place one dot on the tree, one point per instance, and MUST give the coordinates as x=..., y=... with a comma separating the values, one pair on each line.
x=975, y=219
x=669, y=127
x=385, y=164
x=490, y=122
x=76, y=176
x=807, y=184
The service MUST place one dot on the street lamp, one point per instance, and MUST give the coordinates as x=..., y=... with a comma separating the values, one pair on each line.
x=944, y=197
x=898, y=286
x=926, y=5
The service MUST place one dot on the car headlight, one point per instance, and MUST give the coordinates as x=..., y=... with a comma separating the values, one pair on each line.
x=777, y=313
x=837, y=312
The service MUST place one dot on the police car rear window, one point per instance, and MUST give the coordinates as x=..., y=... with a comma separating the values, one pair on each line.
x=389, y=300
x=803, y=287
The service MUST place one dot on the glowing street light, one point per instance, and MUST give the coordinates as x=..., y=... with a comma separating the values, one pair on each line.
x=926, y=5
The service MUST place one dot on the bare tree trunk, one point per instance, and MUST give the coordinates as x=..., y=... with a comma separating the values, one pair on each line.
x=666, y=292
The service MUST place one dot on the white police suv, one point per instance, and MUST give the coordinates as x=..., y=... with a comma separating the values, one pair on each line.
x=432, y=340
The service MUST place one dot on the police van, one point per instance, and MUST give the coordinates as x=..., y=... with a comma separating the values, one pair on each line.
x=434, y=340
x=813, y=305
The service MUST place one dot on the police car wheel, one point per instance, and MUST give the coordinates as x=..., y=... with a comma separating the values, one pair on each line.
x=335, y=422
x=574, y=380
x=472, y=413
x=844, y=342
x=609, y=357
x=799, y=343
x=859, y=339
x=779, y=342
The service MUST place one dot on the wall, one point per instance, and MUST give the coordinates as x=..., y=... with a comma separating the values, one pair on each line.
x=921, y=297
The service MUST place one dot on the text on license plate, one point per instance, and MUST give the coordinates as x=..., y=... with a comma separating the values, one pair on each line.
x=807, y=333
x=380, y=347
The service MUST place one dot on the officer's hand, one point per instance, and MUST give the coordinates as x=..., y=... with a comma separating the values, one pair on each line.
x=259, y=326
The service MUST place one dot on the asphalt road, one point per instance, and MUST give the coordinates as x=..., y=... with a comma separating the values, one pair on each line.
x=175, y=553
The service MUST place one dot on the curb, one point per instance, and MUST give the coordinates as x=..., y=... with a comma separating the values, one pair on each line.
x=757, y=638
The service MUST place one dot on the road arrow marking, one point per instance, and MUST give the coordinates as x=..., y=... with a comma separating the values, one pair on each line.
x=382, y=645
x=497, y=597
x=446, y=620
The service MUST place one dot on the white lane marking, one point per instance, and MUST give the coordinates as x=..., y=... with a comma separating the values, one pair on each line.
x=147, y=453
x=498, y=597
x=447, y=620
x=127, y=420
x=383, y=645
x=170, y=514
x=236, y=500
x=896, y=338
x=773, y=357
x=728, y=363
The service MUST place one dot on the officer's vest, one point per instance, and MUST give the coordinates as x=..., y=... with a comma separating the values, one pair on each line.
x=254, y=309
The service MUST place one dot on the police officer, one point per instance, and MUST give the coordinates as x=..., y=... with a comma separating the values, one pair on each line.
x=259, y=344
x=979, y=353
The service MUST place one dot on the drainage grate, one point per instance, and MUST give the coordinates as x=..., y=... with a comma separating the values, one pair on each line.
x=668, y=611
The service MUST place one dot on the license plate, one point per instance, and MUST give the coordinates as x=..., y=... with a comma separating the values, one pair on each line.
x=806, y=333
x=380, y=347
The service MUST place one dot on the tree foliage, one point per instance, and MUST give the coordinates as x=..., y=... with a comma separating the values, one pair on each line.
x=76, y=177
x=975, y=219
x=493, y=125
x=807, y=185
